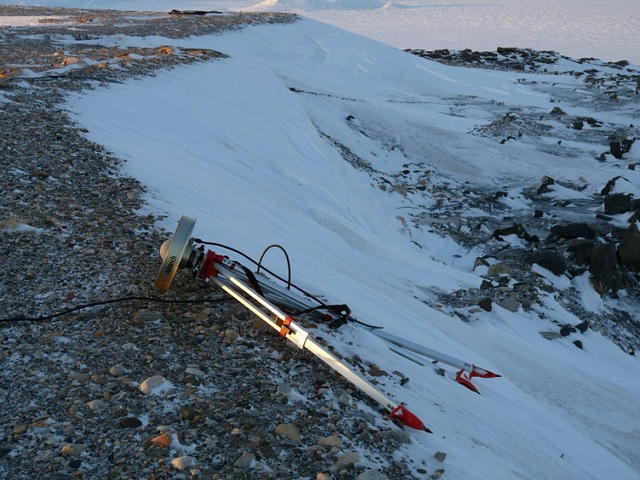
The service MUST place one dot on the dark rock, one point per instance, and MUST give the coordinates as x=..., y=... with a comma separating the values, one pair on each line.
x=567, y=330
x=485, y=304
x=187, y=412
x=551, y=260
x=557, y=111
x=608, y=188
x=577, y=124
x=581, y=250
x=538, y=214
x=602, y=266
x=578, y=344
x=629, y=249
x=518, y=230
x=617, y=203
x=583, y=327
x=619, y=145
x=573, y=230
x=544, y=185
x=130, y=422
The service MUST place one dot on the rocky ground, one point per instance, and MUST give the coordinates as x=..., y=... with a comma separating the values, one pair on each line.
x=566, y=232
x=143, y=388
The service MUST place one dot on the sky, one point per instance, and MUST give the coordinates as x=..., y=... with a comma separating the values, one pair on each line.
x=241, y=151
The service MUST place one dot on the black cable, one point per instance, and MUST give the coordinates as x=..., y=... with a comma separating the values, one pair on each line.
x=286, y=256
x=226, y=247
x=22, y=318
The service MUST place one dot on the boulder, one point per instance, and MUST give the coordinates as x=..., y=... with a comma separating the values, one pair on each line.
x=580, y=250
x=602, y=266
x=619, y=145
x=611, y=184
x=573, y=230
x=617, y=203
x=544, y=185
x=551, y=260
x=517, y=230
x=629, y=249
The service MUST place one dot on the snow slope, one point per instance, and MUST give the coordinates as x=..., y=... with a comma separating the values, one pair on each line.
x=237, y=144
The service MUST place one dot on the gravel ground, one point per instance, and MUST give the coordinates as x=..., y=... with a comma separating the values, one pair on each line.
x=73, y=387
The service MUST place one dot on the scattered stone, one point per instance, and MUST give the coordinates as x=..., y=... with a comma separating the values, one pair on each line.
x=290, y=431
x=97, y=405
x=499, y=269
x=155, y=385
x=485, y=304
x=438, y=473
x=130, y=422
x=187, y=412
x=544, y=184
x=583, y=327
x=551, y=260
x=578, y=344
x=163, y=440
x=245, y=461
x=195, y=372
x=183, y=463
x=511, y=304
x=330, y=441
x=73, y=449
x=347, y=458
x=372, y=475
x=440, y=456
x=573, y=230
x=602, y=266
x=567, y=330
x=118, y=370
x=19, y=429
x=617, y=203
x=400, y=436
x=629, y=249
x=551, y=335
x=517, y=230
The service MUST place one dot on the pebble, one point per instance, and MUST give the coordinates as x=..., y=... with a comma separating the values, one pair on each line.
x=347, y=458
x=330, y=441
x=372, y=475
x=117, y=370
x=97, y=405
x=195, y=372
x=163, y=440
x=245, y=461
x=130, y=422
x=154, y=385
x=183, y=463
x=290, y=431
